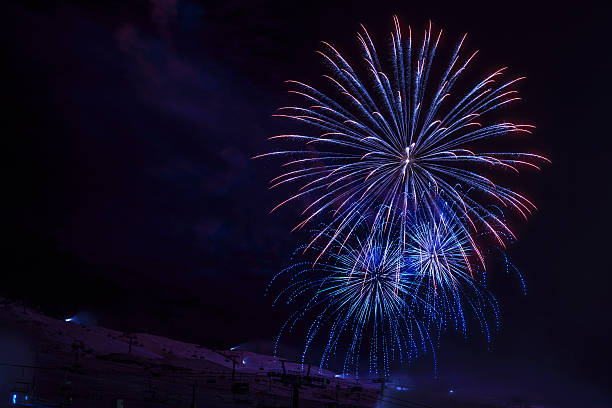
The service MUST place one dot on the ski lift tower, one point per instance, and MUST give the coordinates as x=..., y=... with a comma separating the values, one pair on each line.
x=297, y=381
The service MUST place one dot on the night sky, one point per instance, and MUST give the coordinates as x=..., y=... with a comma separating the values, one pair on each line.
x=132, y=193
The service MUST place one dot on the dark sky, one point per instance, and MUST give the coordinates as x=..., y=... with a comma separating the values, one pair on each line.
x=132, y=193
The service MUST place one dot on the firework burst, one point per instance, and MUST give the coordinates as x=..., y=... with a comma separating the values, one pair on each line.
x=359, y=296
x=398, y=159
x=388, y=139
x=376, y=292
x=439, y=255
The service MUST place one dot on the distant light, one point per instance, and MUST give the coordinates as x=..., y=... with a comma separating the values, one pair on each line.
x=68, y=319
x=339, y=375
x=14, y=399
x=398, y=388
x=26, y=397
x=451, y=391
x=235, y=348
x=243, y=361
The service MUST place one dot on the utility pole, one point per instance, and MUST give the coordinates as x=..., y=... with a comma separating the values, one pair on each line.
x=75, y=348
x=382, y=381
x=193, y=396
x=232, y=358
x=131, y=337
x=295, y=395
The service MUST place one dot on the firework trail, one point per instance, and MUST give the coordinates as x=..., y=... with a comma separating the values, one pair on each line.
x=387, y=139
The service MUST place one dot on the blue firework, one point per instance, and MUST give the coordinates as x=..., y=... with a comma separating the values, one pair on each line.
x=449, y=277
x=378, y=293
x=396, y=136
x=359, y=298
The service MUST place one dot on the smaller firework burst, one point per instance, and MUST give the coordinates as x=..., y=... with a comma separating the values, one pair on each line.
x=361, y=296
x=439, y=253
x=378, y=293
